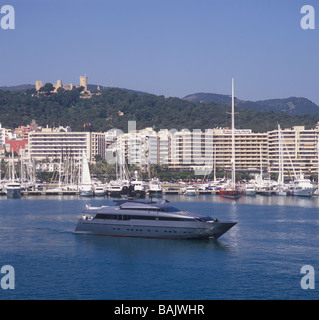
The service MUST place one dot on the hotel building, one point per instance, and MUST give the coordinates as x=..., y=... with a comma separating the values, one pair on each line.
x=203, y=150
x=250, y=149
x=54, y=145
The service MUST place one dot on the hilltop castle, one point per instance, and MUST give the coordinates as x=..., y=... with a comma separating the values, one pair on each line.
x=83, y=83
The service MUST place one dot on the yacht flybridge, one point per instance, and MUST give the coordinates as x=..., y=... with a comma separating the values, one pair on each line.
x=148, y=219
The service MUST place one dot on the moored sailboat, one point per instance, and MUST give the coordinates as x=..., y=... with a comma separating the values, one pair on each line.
x=13, y=187
x=85, y=188
x=231, y=191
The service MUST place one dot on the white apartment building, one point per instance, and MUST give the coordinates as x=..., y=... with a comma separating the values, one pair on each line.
x=191, y=149
x=136, y=147
x=2, y=135
x=51, y=145
x=298, y=148
x=164, y=150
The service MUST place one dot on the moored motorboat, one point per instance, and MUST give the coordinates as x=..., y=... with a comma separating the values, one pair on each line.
x=139, y=190
x=99, y=190
x=155, y=188
x=115, y=190
x=249, y=190
x=302, y=187
x=190, y=191
x=86, y=191
x=13, y=190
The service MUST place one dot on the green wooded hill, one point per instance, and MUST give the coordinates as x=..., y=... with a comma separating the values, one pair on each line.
x=292, y=105
x=113, y=108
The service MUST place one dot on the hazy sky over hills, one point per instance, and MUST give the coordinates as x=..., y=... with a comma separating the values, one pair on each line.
x=169, y=47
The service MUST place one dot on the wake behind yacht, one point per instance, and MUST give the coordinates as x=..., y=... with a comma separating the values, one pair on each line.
x=148, y=219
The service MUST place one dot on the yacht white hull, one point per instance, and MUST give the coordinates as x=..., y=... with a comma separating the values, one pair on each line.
x=250, y=192
x=190, y=193
x=281, y=193
x=302, y=187
x=115, y=192
x=156, y=193
x=99, y=192
x=86, y=191
x=308, y=192
x=13, y=193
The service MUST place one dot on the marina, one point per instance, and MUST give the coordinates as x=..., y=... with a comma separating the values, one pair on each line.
x=246, y=188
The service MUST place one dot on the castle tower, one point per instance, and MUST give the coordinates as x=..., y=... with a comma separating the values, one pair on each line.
x=84, y=82
x=38, y=85
x=59, y=84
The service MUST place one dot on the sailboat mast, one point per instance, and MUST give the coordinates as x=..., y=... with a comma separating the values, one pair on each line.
x=13, y=171
x=215, y=163
x=233, y=136
x=318, y=168
x=281, y=164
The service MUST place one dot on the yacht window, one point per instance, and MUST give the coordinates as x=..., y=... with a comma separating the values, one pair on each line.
x=136, y=217
x=139, y=209
x=168, y=209
x=204, y=219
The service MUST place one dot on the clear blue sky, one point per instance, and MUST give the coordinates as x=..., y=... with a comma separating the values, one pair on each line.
x=169, y=47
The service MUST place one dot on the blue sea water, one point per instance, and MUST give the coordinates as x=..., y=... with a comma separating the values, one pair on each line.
x=260, y=258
